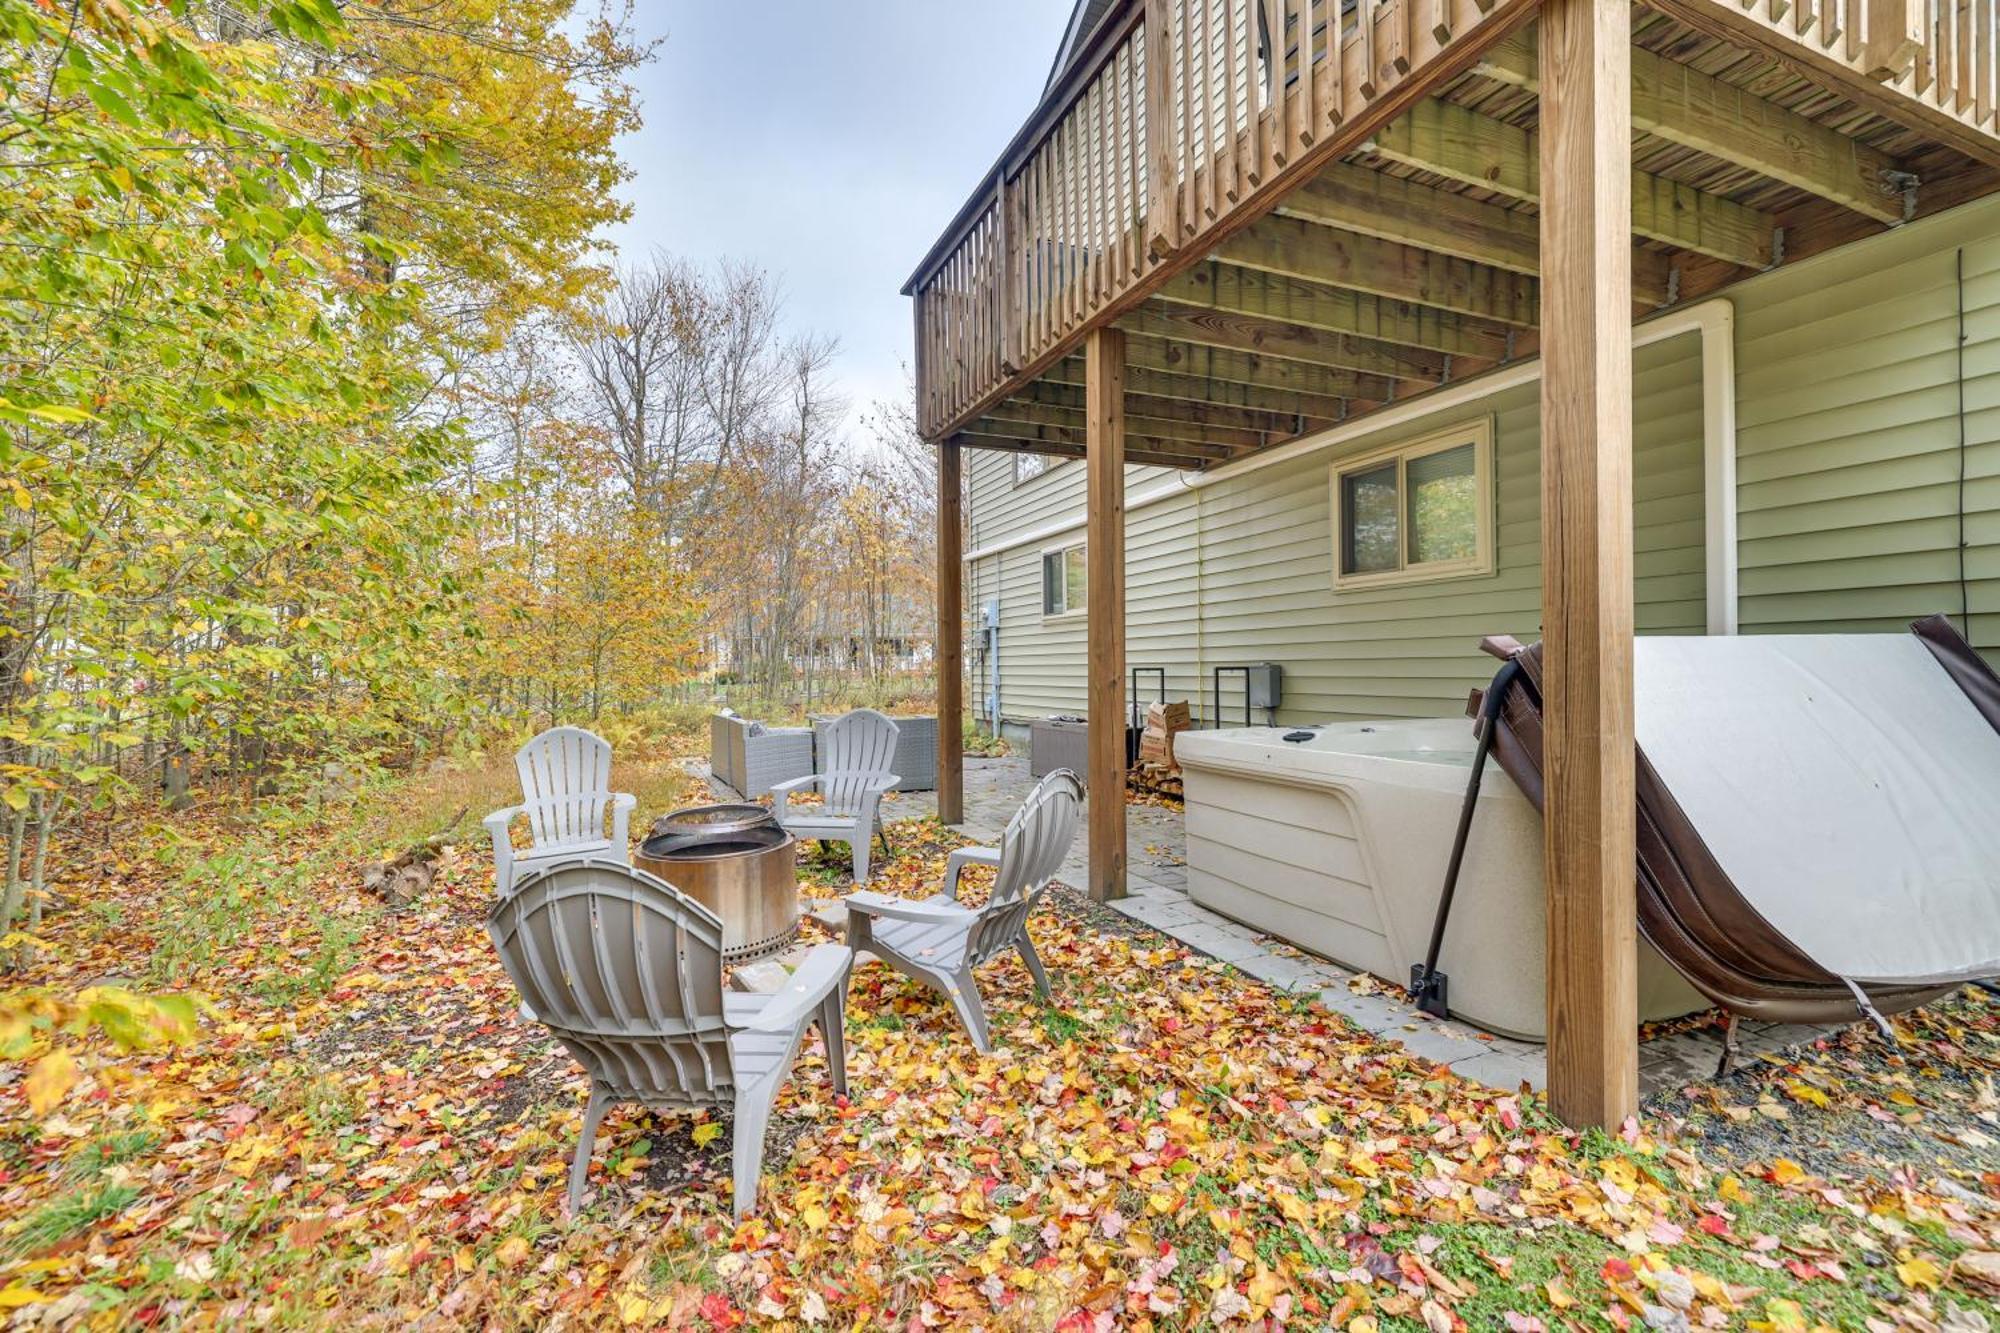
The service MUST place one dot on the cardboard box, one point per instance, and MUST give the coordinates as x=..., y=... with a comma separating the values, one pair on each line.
x=1163, y=722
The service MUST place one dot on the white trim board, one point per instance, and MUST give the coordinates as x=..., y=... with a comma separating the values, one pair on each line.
x=1714, y=320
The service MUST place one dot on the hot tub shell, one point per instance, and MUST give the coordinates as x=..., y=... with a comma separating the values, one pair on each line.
x=1339, y=844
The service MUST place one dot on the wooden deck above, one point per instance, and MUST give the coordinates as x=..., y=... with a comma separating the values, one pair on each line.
x=1293, y=228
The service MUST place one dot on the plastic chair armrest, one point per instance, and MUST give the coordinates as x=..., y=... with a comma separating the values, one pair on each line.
x=824, y=969
x=783, y=791
x=503, y=845
x=870, y=903
x=988, y=857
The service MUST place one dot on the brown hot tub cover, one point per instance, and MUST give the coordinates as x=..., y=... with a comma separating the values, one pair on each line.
x=1818, y=815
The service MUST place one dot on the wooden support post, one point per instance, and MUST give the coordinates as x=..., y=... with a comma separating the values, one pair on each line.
x=950, y=638
x=1895, y=38
x=1163, y=231
x=1104, y=602
x=1587, y=760
x=1008, y=270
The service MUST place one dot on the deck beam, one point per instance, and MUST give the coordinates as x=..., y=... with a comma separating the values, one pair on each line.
x=1394, y=208
x=1185, y=370
x=1462, y=145
x=1586, y=465
x=1029, y=432
x=1186, y=409
x=1337, y=309
x=1277, y=339
x=1683, y=106
x=1104, y=609
x=1316, y=252
x=1202, y=391
x=1028, y=410
x=1900, y=21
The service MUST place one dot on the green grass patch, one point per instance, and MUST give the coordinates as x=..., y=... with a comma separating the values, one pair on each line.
x=72, y=1213
x=86, y=1198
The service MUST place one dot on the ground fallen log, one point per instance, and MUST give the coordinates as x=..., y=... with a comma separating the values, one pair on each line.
x=404, y=878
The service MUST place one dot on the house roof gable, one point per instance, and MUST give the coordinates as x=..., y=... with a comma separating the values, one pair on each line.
x=1083, y=20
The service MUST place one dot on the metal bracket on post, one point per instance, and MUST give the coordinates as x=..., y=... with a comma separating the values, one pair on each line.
x=1904, y=183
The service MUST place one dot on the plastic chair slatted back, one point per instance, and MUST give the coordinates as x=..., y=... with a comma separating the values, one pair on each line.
x=626, y=971
x=566, y=785
x=1032, y=849
x=860, y=746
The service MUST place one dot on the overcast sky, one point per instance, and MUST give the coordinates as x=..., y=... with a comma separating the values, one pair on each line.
x=828, y=143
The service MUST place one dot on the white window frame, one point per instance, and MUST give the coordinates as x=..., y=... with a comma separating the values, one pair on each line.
x=1067, y=612
x=1478, y=432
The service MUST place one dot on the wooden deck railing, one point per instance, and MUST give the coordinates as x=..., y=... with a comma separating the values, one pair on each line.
x=1181, y=111
x=1943, y=54
x=1183, y=115
x=1941, y=57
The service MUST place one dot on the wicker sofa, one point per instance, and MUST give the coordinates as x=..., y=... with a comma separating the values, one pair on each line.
x=916, y=751
x=751, y=758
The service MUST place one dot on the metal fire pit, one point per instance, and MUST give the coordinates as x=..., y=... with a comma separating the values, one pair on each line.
x=739, y=863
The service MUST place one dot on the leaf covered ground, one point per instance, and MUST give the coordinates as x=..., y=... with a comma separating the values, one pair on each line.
x=364, y=1133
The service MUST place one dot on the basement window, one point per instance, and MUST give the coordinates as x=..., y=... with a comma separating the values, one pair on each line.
x=1062, y=580
x=1417, y=511
x=1029, y=466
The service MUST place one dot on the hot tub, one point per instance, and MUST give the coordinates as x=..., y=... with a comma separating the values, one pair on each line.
x=1338, y=845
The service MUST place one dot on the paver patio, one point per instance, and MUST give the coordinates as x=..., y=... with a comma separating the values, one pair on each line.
x=1156, y=857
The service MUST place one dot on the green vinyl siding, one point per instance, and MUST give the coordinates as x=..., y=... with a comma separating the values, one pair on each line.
x=1848, y=429
x=1412, y=649
x=998, y=509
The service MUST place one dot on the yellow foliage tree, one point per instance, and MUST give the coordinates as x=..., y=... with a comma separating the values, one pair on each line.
x=594, y=616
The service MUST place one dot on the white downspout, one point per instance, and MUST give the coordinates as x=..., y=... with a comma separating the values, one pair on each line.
x=1717, y=321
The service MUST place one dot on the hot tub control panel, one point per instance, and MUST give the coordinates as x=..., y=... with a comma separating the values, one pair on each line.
x=1263, y=687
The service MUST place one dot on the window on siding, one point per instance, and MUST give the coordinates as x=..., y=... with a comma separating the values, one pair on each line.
x=1062, y=581
x=1422, y=510
x=1029, y=466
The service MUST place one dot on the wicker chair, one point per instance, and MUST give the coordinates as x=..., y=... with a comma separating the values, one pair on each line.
x=751, y=758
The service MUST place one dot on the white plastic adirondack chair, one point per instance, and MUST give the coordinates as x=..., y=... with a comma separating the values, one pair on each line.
x=565, y=788
x=626, y=971
x=939, y=942
x=854, y=771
